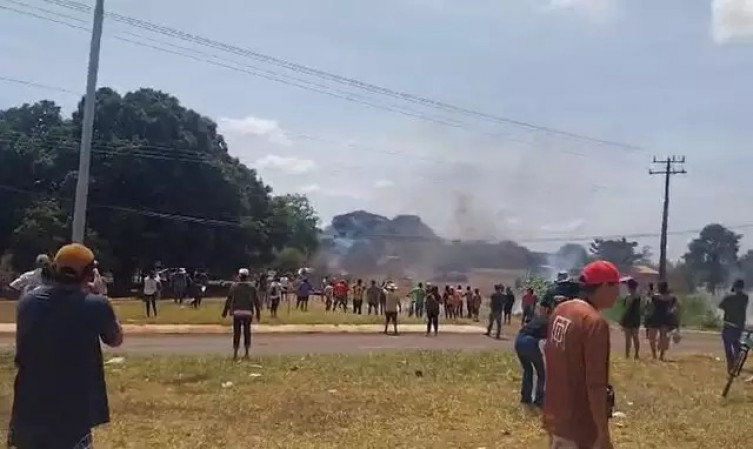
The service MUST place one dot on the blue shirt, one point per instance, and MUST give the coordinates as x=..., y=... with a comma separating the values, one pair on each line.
x=60, y=384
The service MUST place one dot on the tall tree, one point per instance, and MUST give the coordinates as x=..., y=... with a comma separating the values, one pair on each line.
x=622, y=252
x=163, y=187
x=713, y=255
x=570, y=256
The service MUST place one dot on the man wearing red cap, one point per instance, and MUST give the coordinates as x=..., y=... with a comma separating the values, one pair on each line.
x=577, y=404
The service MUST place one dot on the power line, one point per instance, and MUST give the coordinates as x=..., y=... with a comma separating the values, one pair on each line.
x=37, y=85
x=350, y=82
x=213, y=222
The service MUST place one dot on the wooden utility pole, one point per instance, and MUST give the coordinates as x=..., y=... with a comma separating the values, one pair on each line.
x=669, y=166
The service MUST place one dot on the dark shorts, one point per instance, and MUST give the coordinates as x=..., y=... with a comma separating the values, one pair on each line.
x=32, y=440
x=391, y=317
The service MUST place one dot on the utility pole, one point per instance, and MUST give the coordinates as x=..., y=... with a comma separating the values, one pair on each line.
x=84, y=161
x=670, y=166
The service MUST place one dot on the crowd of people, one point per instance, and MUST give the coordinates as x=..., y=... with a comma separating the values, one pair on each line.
x=562, y=343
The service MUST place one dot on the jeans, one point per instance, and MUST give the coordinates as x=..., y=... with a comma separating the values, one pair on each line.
x=495, y=317
x=358, y=306
x=731, y=341
x=151, y=302
x=531, y=360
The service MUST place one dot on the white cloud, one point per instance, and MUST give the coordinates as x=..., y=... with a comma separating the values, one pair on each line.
x=317, y=189
x=310, y=188
x=383, y=184
x=731, y=19
x=598, y=10
x=289, y=165
x=255, y=126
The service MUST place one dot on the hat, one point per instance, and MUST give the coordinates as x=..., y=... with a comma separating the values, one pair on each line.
x=391, y=286
x=72, y=261
x=599, y=272
x=243, y=272
x=42, y=260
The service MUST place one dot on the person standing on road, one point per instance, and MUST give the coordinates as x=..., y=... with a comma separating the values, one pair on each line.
x=358, y=292
x=495, y=314
x=60, y=392
x=578, y=399
x=433, y=300
x=631, y=319
x=372, y=297
x=391, y=307
x=242, y=300
x=734, y=306
x=40, y=275
x=151, y=290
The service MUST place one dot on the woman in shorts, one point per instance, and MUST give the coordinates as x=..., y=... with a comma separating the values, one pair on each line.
x=662, y=320
x=631, y=319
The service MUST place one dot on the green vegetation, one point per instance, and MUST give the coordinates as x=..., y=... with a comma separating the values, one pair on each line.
x=696, y=311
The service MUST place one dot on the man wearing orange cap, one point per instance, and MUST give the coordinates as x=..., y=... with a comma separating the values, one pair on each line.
x=578, y=399
x=60, y=392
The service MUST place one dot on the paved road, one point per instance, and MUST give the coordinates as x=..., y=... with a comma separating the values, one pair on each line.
x=352, y=343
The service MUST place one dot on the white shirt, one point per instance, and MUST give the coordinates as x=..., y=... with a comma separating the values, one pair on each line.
x=28, y=281
x=151, y=285
x=275, y=286
x=99, y=285
x=284, y=282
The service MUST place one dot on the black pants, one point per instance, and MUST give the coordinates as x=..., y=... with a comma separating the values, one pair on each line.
x=34, y=438
x=358, y=306
x=495, y=317
x=274, y=304
x=151, y=302
x=432, y=320
x=241, y=323
x=373, y=306
x=508, y=315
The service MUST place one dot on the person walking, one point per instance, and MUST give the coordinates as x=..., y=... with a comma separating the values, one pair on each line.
x=578, y=399
x=242, y=301
x=60, y=391
x=531, y=359
x=391, y=307
x=631, y=319
x=661, y=320
x=529, y=305
x=151, y=290
x=358, y=292
x=495, y=314
x=734, y=306
x=433, y=301
x=275, y=296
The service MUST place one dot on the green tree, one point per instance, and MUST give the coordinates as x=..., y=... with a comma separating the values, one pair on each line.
x=43, y=229
x=622, y=252
x=570, y=256
x=713, y=255
x=289, y=260
x=296, y=223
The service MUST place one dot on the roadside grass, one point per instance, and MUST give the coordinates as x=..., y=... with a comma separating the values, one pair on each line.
x=399, y=400
x=133, y=312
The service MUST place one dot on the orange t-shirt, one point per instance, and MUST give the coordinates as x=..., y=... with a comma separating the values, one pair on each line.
x=577, y=371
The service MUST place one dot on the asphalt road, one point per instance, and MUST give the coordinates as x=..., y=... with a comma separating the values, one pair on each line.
x=265, y=344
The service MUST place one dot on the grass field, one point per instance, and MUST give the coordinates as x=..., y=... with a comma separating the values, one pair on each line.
x=460, y=400
x=132, y=312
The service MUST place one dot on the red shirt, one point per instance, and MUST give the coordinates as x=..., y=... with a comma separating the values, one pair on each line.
x=529, y=299
x=341, y=289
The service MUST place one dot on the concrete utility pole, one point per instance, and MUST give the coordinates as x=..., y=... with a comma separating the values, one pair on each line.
x=84, y=161
x=668, y=168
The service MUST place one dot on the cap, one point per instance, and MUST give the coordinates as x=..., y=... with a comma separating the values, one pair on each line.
x=599, y=272
x=42, y=260
x=243, y=272
x=72, y=261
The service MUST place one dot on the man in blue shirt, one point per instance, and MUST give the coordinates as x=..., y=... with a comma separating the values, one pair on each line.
x=59, y=391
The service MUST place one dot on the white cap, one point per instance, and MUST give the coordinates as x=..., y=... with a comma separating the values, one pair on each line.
x=243, y=272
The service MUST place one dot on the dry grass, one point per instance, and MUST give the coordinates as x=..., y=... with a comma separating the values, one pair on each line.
x=462, y=400
x=132, y=312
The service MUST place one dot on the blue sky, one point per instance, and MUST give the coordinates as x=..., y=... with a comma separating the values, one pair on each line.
x=672, y=77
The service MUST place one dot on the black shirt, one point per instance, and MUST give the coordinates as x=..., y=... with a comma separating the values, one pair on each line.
x=535, y=327
x=498, y=302
x=60, y=384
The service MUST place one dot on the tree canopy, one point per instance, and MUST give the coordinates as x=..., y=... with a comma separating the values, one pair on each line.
x=163, y=187
x=712, y=256
x=623, y=252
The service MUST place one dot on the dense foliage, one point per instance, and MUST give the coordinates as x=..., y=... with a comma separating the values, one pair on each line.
x=163, y=188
